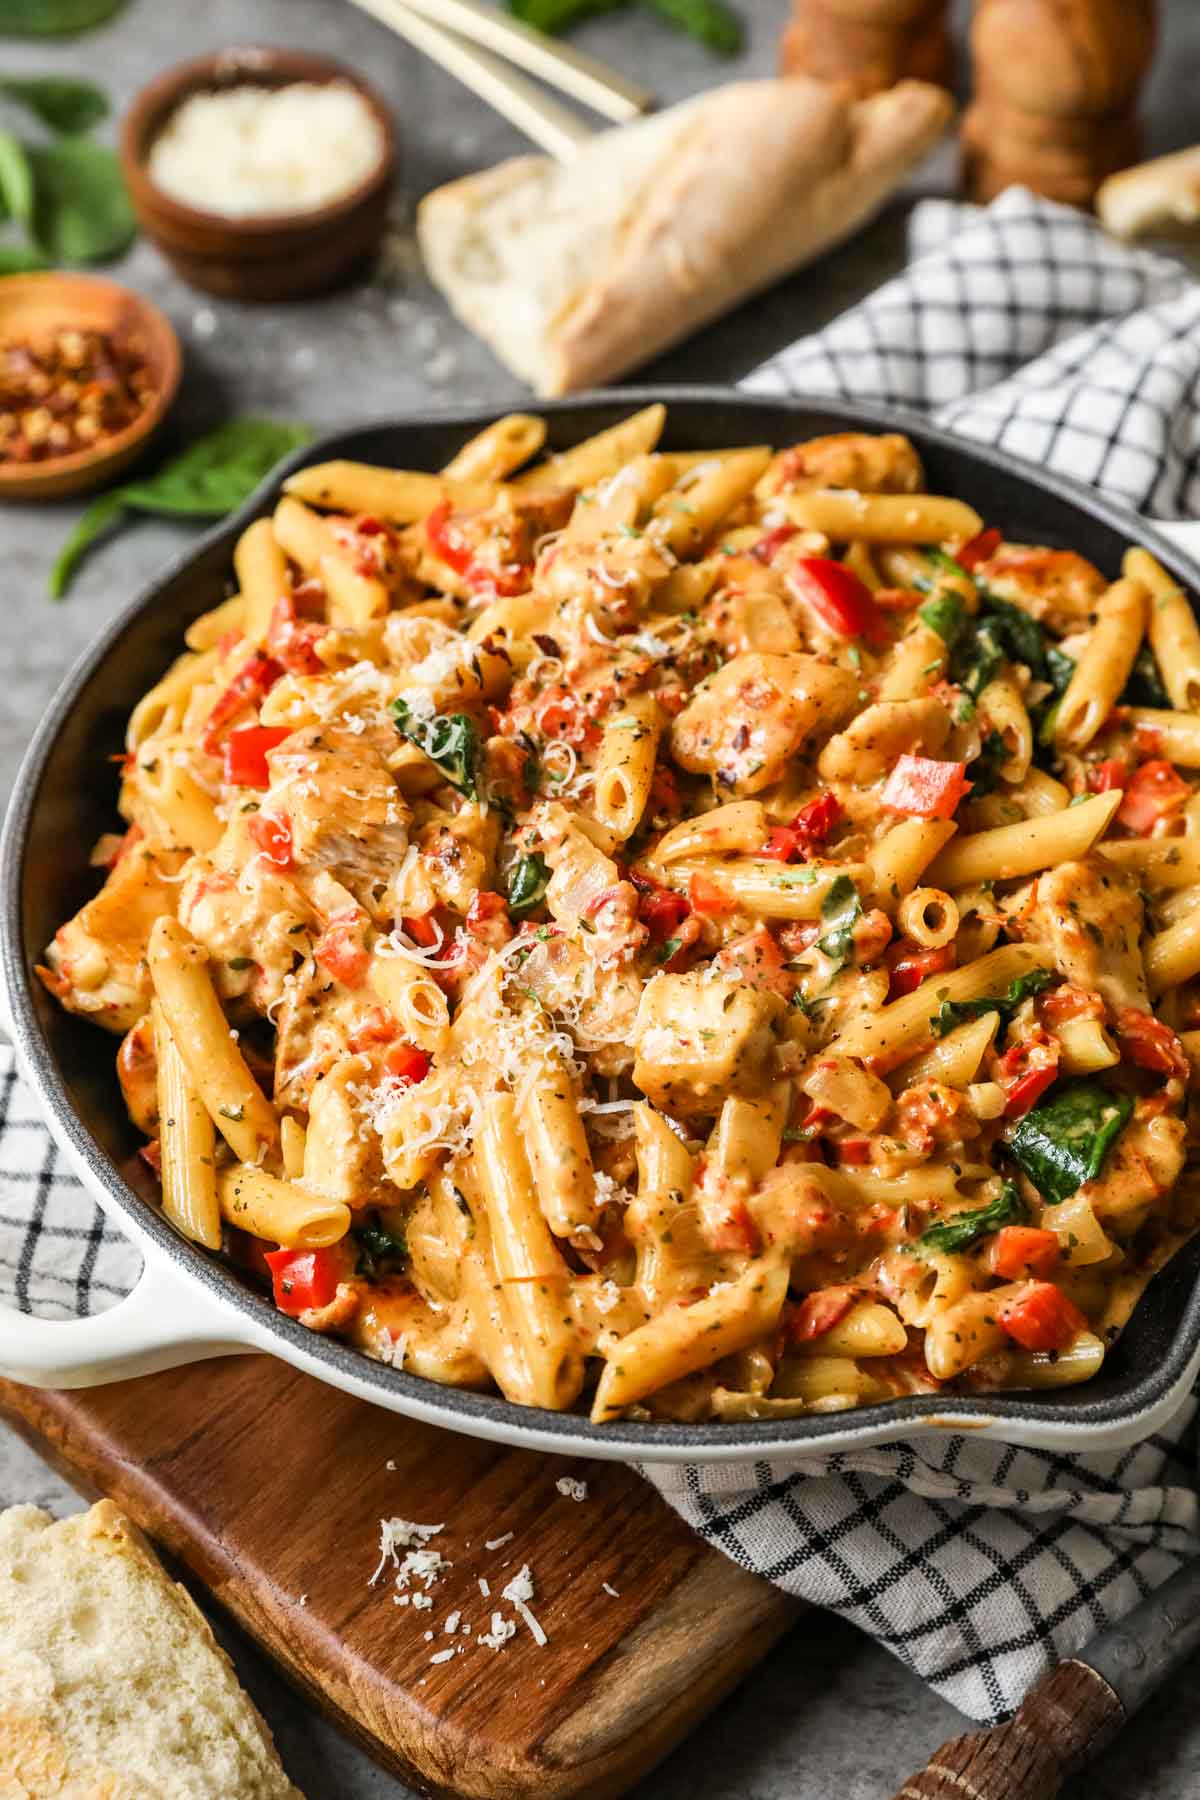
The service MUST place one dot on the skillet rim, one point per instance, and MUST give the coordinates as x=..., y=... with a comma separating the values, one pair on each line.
x=487, y=1414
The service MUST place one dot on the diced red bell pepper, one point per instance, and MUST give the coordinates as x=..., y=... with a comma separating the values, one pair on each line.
x=1155, y=791
x=272, y=837
x=487, y=919
x=853, y=1151
x=446, y=541
x=820, y=1312
x=306, y=1278
x=407, y=1064
x=1027, y=1070
x=1105, y=776
x=291, y=642
x=246, y=754
x=379, y=1027
x=806, y=832
x=978, y=549
x=910, y=964
x=340, y=950
x=735, y=1231
x=771, y=541
x=423, y=930
x=925, y=788
x=1019, y=1251
x=253, y=681
x=1146, y=1041
x=1041, y=1318
x=661, y=911
x=558, y=713
x=709, y=898
x=840, y=600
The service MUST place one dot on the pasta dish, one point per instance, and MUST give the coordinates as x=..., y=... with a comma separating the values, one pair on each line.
x=705, y=935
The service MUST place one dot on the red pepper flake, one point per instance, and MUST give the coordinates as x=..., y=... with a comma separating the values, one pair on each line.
x=68, y=392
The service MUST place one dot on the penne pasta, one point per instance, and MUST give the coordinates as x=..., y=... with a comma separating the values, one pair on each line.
x=1105, y=666
x=187, y=1145
x=843, y=515
x=1171, y=627
x=1010, y=851
x=282, y=1212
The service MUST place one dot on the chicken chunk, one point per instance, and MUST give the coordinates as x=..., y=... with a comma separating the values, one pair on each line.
x=1059, y=588
x=884, y=464
x=1089, y=916
x=743, y=725
x=344, y=811
x=341, y=1160
x=97, y=962
x=699, y=1040
x=868, y=749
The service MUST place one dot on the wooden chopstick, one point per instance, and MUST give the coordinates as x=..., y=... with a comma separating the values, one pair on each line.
x=580, y=76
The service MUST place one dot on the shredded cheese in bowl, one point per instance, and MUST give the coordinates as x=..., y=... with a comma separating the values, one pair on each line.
x=251, y=150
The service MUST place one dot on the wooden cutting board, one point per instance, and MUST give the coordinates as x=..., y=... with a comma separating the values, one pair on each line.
x=269, y=1488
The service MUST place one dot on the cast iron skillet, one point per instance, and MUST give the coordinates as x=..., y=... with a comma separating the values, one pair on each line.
x=65, y=795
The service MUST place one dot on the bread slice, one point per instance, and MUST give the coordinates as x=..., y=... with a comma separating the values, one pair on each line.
x=576, y=272
x=112, y=1686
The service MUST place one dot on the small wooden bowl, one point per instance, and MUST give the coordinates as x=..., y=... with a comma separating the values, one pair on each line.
x=32, y=307
x=266, y=256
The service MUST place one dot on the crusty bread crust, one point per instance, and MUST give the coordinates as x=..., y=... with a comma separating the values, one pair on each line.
x=112, y=1686
x=742, y=186
x=1163, y=195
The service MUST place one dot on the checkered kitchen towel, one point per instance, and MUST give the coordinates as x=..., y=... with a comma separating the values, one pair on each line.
x=978, y=1565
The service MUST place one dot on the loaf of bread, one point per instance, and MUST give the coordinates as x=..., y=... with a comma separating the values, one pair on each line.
x=1162, y=196
x=112, y=1686
x=574, y=273
x=1056, y=94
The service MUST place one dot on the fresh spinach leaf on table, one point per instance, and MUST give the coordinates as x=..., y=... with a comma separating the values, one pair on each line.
x=210, y=478
x=1063, y=1142
x=81, y=210
x=64, y=104
x=53, y=18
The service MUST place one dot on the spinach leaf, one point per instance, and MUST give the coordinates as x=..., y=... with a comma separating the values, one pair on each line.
x=81, y=211
x=208, y=479
x=380, y=1250
x=1059, y=669
x=17, y=259
x=1063, y=1143
x=65, y=105
x=53, y=18
x=986, y=767
x=528, y=884
x=1144, y=687
x=710, y=22
x=977, y=659
x=16, y=181
x=448, y=739
x=553, y=16
x=1020, y=637
x=955, y=1012
x=948, y=617
x=841, y=909
x=218, y=471
x=962, y=1229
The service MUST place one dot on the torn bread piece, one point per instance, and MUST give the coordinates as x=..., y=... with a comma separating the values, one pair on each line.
x=573, y=273
x=111, y=1682
x=1159, y=196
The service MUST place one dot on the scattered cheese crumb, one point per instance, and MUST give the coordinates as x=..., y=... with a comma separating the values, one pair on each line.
x=441, y=1656
x=518, y=1591
x=571, y=1489
x=496, y=1543
x=429, y=1637
x=498, y=1636
x=304, y=1599
x=399, y=1534
x=421, y=1602
x=610, y=1590
x=390, y=1465
x=485, y=1588
x=451, y=1625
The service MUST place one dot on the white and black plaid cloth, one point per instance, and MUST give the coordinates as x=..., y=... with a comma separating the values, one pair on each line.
x=976, y=1563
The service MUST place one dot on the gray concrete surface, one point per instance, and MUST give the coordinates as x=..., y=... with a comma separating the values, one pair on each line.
x=828, y=1714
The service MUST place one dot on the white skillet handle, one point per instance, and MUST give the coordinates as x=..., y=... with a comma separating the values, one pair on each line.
x=164, y=1322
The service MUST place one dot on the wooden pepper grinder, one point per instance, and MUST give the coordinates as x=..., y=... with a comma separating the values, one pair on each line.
x=1056, y=94
x=867, y=45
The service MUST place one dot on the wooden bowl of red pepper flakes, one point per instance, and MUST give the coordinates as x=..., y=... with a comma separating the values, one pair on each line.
x=87, y=373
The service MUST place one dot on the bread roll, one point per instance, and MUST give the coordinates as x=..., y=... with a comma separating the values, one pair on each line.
x=1159, y=196
x=111, y=1683
x=864, y=50
x=1068, y=58
x=575, y=273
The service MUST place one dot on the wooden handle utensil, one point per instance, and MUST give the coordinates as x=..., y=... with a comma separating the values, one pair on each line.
x=1074, y=1711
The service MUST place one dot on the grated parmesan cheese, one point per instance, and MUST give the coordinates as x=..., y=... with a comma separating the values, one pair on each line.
x=518, y=1592
x=401, y=1534
x=498, y=1543
x=247, y=150
x=571, y=1489
x=498, y=1636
